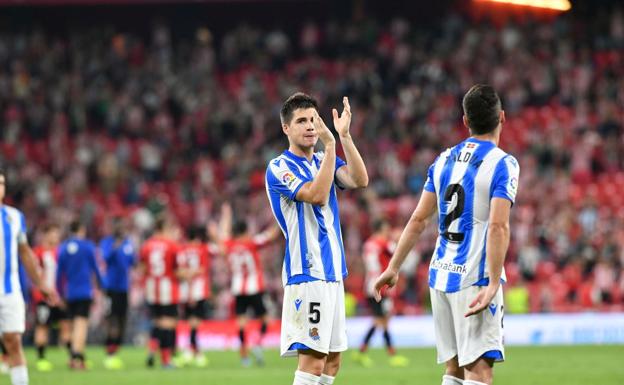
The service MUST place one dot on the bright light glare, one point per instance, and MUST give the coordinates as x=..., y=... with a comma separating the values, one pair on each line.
x=559, y=5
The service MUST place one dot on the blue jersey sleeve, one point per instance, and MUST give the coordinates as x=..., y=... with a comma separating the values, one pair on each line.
x=93, y=263
x=505, y=179
x=429, y=184
x=285, y=178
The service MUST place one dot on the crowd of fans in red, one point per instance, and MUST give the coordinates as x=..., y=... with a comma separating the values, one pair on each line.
x=99, y=123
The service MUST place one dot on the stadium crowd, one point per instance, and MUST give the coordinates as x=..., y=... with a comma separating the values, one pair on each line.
x=101, y=123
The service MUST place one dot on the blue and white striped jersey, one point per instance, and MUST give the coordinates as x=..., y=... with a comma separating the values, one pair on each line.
x=314, y=248
x=465, y=178
x=12, y=233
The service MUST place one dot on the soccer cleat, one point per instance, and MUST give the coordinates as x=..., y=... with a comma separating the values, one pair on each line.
x=150, y=361
x=113, y=363
x=169, y=366
x=179, y=361
x=201, y=361
x=245, y=362
x=4, y=368
x=44, y=365
x=77, y=365
x=363, y=359
x=258, y=355
x=398, y=361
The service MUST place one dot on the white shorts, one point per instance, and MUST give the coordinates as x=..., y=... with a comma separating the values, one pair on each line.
x=12, y=313
x=313, y=314
x=467, y=338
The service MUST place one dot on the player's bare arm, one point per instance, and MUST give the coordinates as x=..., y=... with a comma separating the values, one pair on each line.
x=415, y=226
x=495, y=249
x=353, y=174
x=30, y=264
x=317, y=191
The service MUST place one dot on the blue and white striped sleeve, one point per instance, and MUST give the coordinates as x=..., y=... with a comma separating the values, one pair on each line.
x=285, y=179
x=22, y=236
x=429, y=185
x=339, y=163
x=505, y=179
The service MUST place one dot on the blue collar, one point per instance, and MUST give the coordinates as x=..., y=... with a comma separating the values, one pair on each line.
x=297, y=158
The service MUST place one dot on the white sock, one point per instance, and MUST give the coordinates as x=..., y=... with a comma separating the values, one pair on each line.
x=450, y=380
x=473, y=382
x=303, y=378
x=19, y=375
x=326, y=380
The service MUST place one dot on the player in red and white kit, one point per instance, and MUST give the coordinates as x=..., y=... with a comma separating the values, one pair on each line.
x=158, y=262
x=194, y=258
x=378, y=250
x=241, y=250
x=46, y=315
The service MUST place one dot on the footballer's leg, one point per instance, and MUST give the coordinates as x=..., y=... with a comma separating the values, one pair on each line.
x=309, y=367
x=454, y=374
x=17, y=361
x=241, y=305
x=260, y=312
x=332, y=365
x=479, y=372
x=43, y=318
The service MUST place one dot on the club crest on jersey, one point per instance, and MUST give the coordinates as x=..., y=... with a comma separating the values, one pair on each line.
x=298, y=302
x=493, y=308
x=314, y=334
x=288, y=178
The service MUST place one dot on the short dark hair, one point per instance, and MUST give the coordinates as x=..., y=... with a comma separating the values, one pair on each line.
x=195, y=233
x=160, y=224
x=379, y=224
x=295, y=101
x=482, y=108
x=239, y=227
x=75, y=226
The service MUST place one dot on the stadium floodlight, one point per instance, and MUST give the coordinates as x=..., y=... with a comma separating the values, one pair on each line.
x=557, y=5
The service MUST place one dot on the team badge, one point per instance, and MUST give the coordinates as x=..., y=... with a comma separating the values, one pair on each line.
x=314, y=334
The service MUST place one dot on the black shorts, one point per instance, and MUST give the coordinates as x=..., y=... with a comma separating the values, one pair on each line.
x=157, y=311
x=197, y=309
x=254, y=301
x=118, y=303
x=47, y=315
x=79, y=308
x=379, y=309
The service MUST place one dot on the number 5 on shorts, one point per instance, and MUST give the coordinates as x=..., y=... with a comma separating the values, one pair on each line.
x=315, y=312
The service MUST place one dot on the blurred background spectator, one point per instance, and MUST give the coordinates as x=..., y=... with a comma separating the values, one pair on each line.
x=114, y=119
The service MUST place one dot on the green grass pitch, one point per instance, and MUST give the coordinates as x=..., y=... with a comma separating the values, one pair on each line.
x=560, y=365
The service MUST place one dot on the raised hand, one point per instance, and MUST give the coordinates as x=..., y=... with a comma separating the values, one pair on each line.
x=325, y=135
x=342, y=122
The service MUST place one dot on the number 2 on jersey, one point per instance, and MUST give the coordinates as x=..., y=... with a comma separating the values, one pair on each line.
x=454, y=190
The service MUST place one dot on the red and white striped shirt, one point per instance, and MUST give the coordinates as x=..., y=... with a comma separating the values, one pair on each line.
x=377, y=253
x=195, y=257
x=47, y=257
x=245, y=265
x=161, y=285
